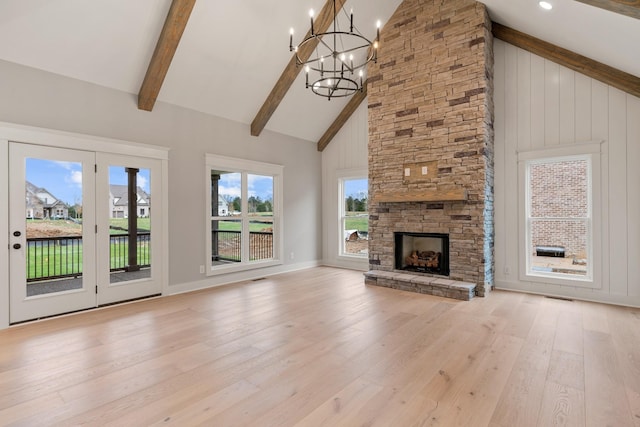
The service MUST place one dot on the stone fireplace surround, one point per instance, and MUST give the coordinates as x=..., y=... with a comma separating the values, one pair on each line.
x=431, y=144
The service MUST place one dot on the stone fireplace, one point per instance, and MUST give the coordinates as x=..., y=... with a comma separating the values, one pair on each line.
x=431, y=147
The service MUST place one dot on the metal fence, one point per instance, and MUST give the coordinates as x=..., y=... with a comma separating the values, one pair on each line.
x=59, y=257
x=54, y=257
x=119, y=250
x=227, y=245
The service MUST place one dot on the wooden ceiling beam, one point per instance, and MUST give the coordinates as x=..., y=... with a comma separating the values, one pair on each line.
x=594, y=69
x=629, y=8
x=342, y=118
x=170, y=36
x=291, y=71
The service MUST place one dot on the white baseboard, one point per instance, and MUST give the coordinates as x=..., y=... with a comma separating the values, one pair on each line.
x=359, y=265
x=568, y=292
x=226, y=279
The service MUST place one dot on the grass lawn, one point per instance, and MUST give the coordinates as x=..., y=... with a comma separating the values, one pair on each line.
x=228, y=225
x=360, y=223
x=54, y=261
x=62, y=260
x=117, y=225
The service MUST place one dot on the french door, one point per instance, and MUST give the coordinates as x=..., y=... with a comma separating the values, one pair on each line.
x=128, y=211
x=80, y=230
x=52, y=258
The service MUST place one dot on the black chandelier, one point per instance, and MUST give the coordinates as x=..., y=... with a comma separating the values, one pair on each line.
x=337, y=63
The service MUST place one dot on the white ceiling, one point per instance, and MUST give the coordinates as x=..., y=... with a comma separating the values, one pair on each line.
x=233, y=51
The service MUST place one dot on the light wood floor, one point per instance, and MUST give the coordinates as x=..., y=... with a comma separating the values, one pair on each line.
x=319, y=348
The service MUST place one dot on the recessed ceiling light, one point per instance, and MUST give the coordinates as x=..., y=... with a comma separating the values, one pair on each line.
x=545, y=5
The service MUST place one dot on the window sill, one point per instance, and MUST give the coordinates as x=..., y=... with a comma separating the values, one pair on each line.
x=577, y=282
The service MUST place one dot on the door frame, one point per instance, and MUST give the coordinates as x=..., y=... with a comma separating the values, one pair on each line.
x=53, y=138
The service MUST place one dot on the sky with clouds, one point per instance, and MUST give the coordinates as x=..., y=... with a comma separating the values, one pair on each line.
x=64, y=179
x=261, y=186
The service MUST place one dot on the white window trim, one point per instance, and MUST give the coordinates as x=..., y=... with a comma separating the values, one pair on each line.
x=245, y=167
x=592, y=152
x=342, y=176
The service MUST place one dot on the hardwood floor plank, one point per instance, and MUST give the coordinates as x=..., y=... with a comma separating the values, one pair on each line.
x=569, y=328
x=626, y=344
x=562, y=406
x=317, y=347
x=606, y=402
x=519, y=403
x=480, y=394
x=338, y=408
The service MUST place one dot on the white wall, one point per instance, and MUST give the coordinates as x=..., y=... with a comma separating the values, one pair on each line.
x=346, y=152
x=38, y=98
x=542, y=104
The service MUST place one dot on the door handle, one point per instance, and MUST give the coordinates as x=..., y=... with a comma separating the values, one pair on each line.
x=17, y=233
x=16, y=246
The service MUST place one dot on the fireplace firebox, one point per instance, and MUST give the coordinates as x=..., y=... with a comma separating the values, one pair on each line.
x=422, y=252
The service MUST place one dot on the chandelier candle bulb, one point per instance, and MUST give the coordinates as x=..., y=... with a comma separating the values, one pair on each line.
x=291, y=40
x=351, y=20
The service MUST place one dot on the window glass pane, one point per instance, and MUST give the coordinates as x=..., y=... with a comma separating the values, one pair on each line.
x=226, y=241
x=260, y=189
x=559, y=222
x=226, y=189
x=559, y=189
x=261, y=239
x=356, y=217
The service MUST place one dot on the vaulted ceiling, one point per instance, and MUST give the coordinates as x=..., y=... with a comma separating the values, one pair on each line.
x=233, y=52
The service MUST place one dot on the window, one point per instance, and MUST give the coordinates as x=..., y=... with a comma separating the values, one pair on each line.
x=561, y=243
x=354, y=217
x=243, y=214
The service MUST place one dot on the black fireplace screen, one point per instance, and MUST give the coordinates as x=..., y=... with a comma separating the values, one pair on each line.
x=422, y=252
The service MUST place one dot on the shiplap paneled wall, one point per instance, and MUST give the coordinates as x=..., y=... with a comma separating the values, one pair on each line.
x=347, y=152
x=542, y=104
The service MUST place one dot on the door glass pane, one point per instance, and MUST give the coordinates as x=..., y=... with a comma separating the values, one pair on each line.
x=53, y=212
x=129, y=223
x=355, y=222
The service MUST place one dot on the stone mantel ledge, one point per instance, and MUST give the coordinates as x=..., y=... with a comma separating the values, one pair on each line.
x=422, y=284
x=437, y=195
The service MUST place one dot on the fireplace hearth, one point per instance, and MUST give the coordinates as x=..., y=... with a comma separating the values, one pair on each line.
x=422, y=252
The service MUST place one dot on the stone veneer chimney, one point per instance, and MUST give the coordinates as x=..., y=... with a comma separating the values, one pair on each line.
x=430, y=105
